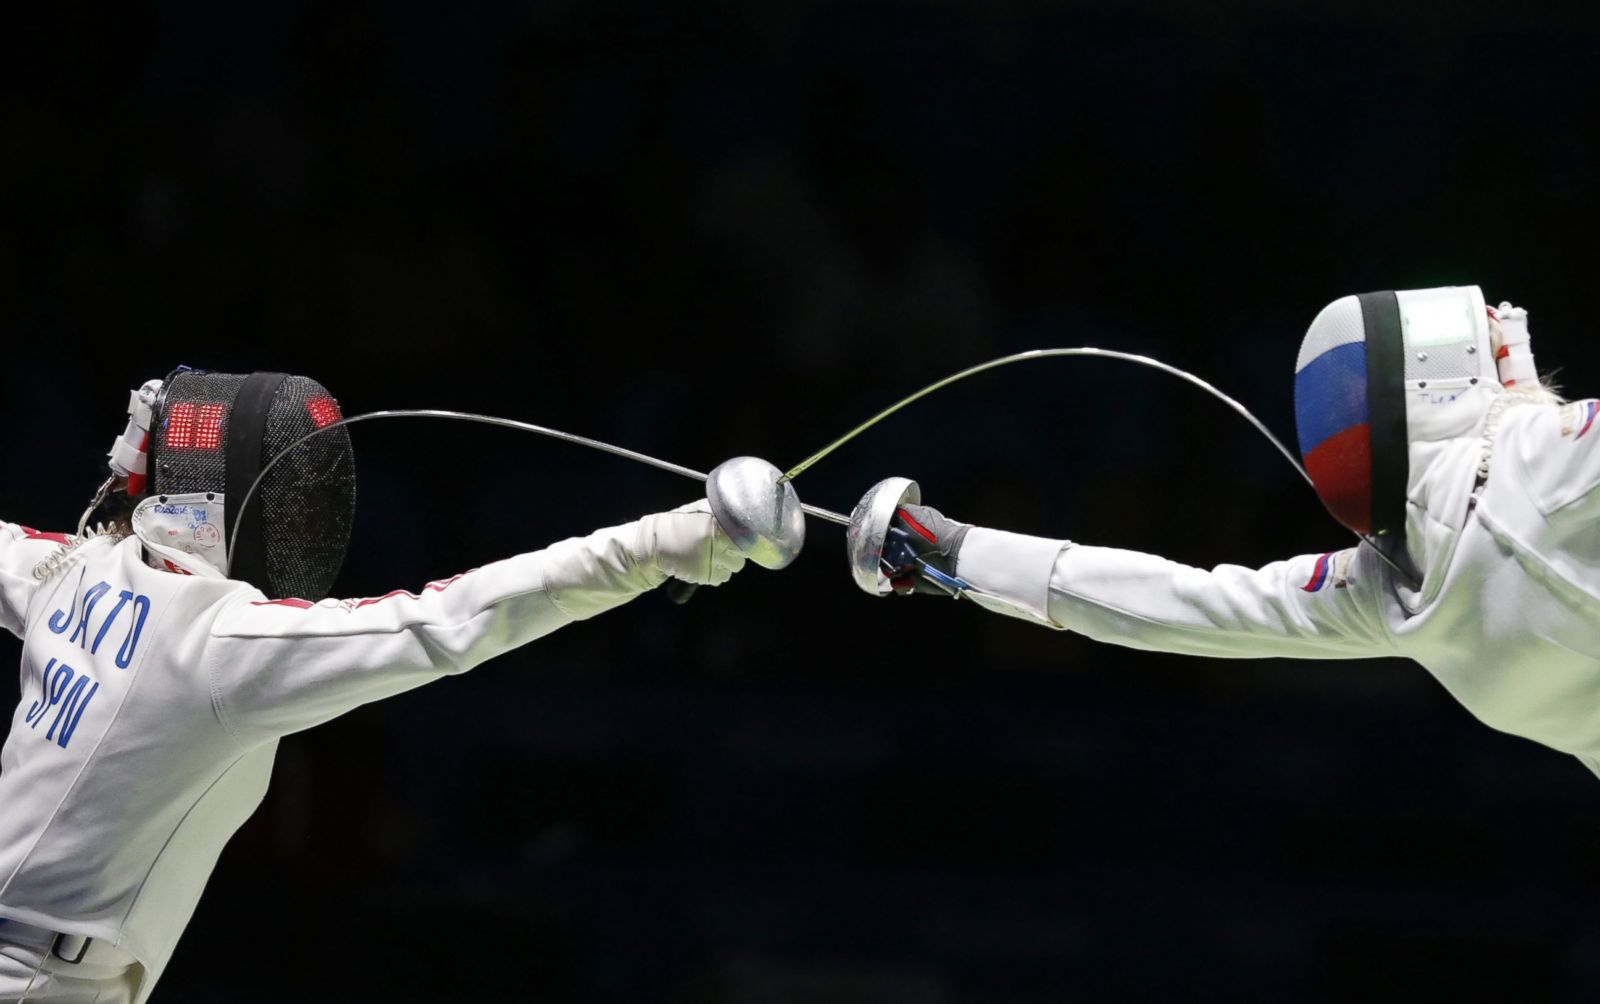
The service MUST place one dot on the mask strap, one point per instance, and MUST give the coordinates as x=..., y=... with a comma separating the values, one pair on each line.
x=1386, y=417
x=247, y=428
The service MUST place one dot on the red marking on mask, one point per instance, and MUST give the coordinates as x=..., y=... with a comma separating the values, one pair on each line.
x=324, y=411
x=195, y=427
x=1341, y=469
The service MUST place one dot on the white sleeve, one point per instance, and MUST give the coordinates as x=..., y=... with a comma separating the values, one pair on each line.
x=20, y=550
x=280, y=666
x=1313, y=606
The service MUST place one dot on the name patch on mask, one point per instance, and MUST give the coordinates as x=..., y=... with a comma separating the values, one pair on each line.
x=192, y=527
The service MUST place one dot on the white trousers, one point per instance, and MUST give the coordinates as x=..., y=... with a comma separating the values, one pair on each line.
x=104, y=976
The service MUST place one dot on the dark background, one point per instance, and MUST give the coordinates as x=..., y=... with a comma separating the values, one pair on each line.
x=708, y=229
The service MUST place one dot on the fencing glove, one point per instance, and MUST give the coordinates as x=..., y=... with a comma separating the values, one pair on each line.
x=588, y=575
x=924, y=547
x=687, y=544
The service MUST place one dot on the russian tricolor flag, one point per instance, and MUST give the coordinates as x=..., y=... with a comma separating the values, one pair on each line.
x=1319, y=574
x=1330, y=414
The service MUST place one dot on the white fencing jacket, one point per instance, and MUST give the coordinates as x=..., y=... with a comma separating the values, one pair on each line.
x=152, y=704
x=1507, y=617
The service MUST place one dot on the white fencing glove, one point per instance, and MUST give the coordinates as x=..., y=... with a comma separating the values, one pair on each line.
x=609, y=567
x=687, y=544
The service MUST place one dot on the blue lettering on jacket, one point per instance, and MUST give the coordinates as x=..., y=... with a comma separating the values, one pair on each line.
x=90, y=598
x=69, y=692
x=61, y=618
x=141, y=606
x=137, y=607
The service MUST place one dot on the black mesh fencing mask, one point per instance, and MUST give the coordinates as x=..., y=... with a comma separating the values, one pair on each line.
x=214, y=432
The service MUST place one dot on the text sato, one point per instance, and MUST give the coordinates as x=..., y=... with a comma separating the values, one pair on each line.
x=132, y=609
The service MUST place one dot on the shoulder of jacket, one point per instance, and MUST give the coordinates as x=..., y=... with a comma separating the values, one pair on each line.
x=1552, y=450
x=1531, y=434
x=1577, y=419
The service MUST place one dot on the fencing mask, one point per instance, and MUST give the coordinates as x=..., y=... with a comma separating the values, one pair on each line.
x=208, y=436
x=1380, y=372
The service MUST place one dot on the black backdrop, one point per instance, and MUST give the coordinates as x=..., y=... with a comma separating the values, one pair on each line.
x=705, y=229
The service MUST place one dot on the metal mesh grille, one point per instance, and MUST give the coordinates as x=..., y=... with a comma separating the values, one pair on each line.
x=187, y=448
x=306, y=502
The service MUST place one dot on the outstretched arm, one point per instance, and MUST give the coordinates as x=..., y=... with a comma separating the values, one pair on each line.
x=1313, y=606
x=21, y=550
x=281, y=666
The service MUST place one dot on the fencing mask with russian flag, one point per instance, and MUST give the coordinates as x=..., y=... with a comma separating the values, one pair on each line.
x=1380, y=372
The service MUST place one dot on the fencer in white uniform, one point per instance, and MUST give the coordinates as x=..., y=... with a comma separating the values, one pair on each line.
x=155, y=687
x=1477, y=494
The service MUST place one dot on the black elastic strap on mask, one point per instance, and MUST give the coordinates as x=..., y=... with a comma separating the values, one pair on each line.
x=247, y=428
x=1386, y=416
